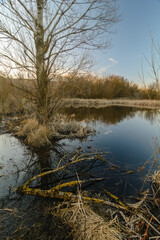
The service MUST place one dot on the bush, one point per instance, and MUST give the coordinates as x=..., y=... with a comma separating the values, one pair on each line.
x=93, y=87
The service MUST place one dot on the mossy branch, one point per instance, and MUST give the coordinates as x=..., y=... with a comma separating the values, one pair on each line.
x=67, y=196
x=73, y=160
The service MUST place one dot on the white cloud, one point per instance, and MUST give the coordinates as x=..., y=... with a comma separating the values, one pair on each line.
x=104, y=69
x=113, y=60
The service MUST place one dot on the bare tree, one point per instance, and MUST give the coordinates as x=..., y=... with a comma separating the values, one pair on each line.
x=154, y=73
x=155, y=66
x=42, y=38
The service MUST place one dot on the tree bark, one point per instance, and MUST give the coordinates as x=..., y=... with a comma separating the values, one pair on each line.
x=40, y=63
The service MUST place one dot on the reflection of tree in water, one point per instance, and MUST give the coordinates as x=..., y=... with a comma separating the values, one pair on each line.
x=35, y=221
x=108, y=115
x=25, y=217
x=52, y=157
x=149, y=114
x=47, y=158
x=42, y=160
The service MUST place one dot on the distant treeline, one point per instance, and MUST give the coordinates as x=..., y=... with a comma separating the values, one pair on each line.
x=90, y=87
x=16, y=99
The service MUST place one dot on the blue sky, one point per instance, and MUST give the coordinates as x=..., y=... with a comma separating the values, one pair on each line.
x=132, y=40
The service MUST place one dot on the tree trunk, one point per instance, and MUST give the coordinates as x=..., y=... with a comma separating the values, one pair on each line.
x=40, y=64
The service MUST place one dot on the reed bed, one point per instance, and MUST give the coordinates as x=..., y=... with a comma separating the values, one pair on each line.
x=156, y=187
x=100, y=103
x=156, y=178
x=87, y=224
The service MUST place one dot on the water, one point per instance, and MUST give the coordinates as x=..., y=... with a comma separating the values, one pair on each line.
x=126, y=134
x=17, y=164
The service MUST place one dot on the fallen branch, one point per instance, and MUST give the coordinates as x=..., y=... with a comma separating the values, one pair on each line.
x=82, y=157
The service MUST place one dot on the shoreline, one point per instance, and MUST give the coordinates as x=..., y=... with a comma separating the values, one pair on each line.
x=101, y=103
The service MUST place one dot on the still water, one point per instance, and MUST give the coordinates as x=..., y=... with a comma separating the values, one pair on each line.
x=126, y=134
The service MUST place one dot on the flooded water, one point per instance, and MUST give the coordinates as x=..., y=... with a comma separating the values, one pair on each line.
x=125, y=134
x=128, y=135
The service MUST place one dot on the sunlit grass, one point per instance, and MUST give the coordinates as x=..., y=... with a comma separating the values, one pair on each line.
x=98, y=103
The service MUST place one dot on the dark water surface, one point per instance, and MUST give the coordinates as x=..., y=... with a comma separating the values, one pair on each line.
x=126, y=134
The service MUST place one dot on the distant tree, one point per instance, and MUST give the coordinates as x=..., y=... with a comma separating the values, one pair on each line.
x=154, y=74
x=152, y=91
x=42, y=38
x=155, y=66
x=92, y=87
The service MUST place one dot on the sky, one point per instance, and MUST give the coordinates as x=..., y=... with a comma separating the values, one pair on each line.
x=131, y=42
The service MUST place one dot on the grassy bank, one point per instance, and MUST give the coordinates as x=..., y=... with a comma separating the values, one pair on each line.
x=38, y=135
x=101, y=103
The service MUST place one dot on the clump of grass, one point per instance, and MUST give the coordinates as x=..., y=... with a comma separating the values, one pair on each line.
x=66, y=127
x=36, y=134
x=62, y=127
x=27, y=126
x=88, y=225
x=156, y=178
x=71, y=128
x=156, y=187
x=39, y=137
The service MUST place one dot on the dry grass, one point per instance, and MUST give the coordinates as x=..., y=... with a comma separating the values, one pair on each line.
x=36, y=134
x=39, y=137
x=11, y=99
x=99, y=103
x=156, y=187
x=62, y=127
x=70, y=128
x=15, y=97
x=88, y=225
x=27, y=126
x=156, y=178
x=66, y=127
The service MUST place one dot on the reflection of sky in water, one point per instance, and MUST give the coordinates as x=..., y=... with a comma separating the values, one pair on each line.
x=124, y=132
x=15, y=160
x=130, y=143
x=131, y=137
x=130, y=140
